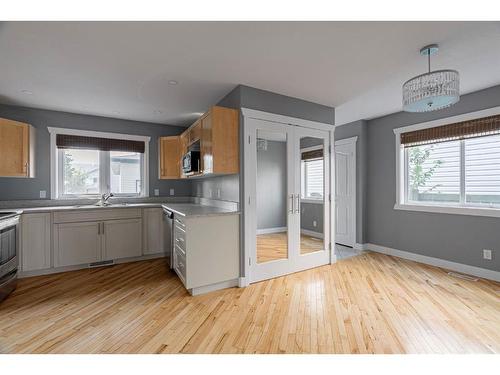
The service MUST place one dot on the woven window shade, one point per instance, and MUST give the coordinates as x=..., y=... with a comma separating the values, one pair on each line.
x=102, y=144
x=314, y=154
x=461, y=130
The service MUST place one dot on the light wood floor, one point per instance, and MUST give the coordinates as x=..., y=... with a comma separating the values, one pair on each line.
x=371, y=303
x=273, y=246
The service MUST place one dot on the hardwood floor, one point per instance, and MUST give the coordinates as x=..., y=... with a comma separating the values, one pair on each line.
x=273, y=246
x=371, y=303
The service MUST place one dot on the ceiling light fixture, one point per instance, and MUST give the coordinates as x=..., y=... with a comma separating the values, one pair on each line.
x=432, y=90
x=27, y=92
x=173, y=82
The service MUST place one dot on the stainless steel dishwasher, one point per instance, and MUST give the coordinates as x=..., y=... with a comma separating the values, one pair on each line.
x=168, y=220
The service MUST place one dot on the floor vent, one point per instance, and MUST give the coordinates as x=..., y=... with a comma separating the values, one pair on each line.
x=102, y=264
x=462, y=276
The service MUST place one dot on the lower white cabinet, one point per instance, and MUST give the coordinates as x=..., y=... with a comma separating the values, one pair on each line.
x=154, y=233
x=122, y=239
x=76, y=243
x=35, y=241
x=206, y=250
x=93, y=241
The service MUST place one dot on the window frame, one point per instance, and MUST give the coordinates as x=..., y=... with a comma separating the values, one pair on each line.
x=462, y=207
x=104, y=160
x=311, y=200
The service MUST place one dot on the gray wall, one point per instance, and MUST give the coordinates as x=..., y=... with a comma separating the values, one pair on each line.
x=17, y=188
x=359, y=129
x=310, y=212
x=458, y=238
x=271, y=186
x=227, y=186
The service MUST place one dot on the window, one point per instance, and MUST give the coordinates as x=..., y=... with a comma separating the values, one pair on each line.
x=312, y=178
x=85, y=164
x=455, y=166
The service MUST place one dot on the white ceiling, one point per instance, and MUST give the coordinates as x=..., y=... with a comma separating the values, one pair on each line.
x=122, y=69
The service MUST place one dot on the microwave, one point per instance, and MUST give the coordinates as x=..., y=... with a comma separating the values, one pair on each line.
x=191, y=162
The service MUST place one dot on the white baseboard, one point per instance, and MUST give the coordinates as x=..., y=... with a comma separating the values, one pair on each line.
x=272, y=230
x=243, y=282
x=360, y=246
x=449, y=265
x=213, y=287
x=311, y=233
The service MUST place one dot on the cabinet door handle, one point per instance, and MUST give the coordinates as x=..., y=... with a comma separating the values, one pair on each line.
x=102, y=228
x=98, y=228
x=291, y=204
x=297, y=209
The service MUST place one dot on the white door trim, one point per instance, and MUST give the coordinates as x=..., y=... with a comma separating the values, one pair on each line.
x=295, y=121
x=343, y=142
x=249, y=211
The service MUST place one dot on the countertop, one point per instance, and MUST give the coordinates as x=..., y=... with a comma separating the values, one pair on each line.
x=184, y=209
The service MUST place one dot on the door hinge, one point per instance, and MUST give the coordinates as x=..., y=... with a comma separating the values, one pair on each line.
x=330, y=246
x=329, y=149
x=249, y=261
x=248, y=139
x=329, y=197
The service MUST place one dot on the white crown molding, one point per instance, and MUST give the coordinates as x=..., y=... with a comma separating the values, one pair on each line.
x=346, y=141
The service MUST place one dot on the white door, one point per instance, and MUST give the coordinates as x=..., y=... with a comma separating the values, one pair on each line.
x=345, y=192
x=275, y=200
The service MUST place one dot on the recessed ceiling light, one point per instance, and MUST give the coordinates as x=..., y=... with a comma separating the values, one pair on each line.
x=116, y=112
x=27, y=92
x=158, y=112
x=173, y=82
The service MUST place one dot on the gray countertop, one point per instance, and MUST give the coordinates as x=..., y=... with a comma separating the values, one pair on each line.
x=184, y=209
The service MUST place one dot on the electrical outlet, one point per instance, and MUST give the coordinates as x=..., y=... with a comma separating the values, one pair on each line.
x=43, y=194
x=486, y=254
x=315, y=223
x=172, y=191
x=157, y=192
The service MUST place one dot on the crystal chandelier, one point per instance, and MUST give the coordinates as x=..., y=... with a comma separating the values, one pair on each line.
x=432, y=90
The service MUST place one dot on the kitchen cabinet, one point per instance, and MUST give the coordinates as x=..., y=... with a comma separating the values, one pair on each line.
x=206, y=250
x=89, y=236
x=218, y=133
x=121, y=239
x=220, y=141
x=35, y=242
x=77, y=243
x=153, y=229
x=170, y=155
x=16, y=149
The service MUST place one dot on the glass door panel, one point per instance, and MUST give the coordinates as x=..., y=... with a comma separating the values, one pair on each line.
x=272, y=205
x=312, y=194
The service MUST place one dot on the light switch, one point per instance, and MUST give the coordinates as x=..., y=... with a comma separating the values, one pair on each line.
x=157, y=192
x=172, y=192
x=43, y=194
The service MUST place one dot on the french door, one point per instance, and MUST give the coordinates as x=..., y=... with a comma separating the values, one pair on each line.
x=288, y=205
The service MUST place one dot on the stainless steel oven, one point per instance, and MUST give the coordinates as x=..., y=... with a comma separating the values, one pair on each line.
x=9, y=245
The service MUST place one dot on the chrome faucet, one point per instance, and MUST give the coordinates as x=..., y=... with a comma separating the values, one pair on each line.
x=104, y=199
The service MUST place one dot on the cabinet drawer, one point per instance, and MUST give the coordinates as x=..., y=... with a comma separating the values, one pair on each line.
x=180, y=223
x=180, y=238
x=180, y=264
x=96, y=215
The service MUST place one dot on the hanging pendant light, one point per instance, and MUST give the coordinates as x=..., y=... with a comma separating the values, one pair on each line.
x=432, y=90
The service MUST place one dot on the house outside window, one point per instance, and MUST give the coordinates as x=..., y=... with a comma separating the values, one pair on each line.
x=451, y=167
x=86, y=164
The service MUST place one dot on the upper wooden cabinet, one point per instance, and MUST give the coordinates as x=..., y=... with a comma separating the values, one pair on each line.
x=219, y=141
x=170, y=153
x=16, y=149
x=217, y=132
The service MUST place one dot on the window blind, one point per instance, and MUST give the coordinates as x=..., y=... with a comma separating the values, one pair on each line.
x=461, y=130
x=101, y=144
x=314, y=154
